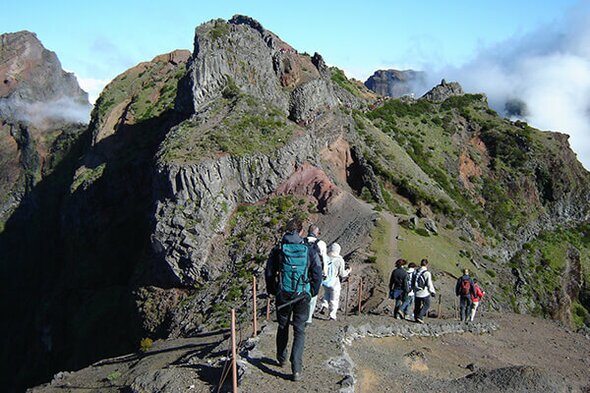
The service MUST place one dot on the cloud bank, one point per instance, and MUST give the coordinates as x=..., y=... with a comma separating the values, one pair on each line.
x=542, y=77
x=43, y=114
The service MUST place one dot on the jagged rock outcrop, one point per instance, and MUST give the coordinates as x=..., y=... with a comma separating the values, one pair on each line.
x=442, y=91
x=395, y=83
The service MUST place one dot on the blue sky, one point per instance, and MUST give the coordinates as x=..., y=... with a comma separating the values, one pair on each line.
x=526, y=50
x=99, y=40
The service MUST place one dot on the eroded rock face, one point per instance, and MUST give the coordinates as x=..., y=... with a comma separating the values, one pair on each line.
x=200, y=198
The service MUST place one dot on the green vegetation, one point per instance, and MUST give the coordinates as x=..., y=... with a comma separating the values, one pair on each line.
x=251, y=127
x=544, y=261
x=340, y=79
x=112, y=377
x=443, y=251
x=580, y=315
x=146, y=344
x=86, y=176
x=144, y=92
x=219, y=30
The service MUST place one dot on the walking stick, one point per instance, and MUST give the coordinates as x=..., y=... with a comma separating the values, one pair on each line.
x=439, y=309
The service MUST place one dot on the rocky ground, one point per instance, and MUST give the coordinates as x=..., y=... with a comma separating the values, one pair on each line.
x=368, y=353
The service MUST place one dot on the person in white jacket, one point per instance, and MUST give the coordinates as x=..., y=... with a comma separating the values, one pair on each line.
x=335, y=270
x=423, y=290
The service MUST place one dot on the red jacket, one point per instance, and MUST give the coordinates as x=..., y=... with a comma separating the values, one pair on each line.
x=478, y=293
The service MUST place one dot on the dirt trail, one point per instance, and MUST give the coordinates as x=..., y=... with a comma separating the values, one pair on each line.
x=367, y=353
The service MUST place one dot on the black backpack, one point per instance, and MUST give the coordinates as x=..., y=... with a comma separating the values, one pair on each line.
x=418, y=280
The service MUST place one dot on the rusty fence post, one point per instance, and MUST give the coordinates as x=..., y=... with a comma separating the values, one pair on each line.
x=234, y=365
x=254, y=310
x=267, y=307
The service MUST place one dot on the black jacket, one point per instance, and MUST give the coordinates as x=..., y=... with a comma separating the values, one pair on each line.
x=273, y=265
x=399, y=279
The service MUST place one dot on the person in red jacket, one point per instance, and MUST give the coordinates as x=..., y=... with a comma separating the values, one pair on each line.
x=475, y=298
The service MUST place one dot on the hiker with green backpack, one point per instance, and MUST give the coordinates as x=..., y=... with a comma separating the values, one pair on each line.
x=293, y=274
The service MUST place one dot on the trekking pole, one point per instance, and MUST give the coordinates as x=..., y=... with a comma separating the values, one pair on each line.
x=360, y=293
x=346, y=300
x=254, y=311
x=268, y=307
x=439, y=310
x=234, y=365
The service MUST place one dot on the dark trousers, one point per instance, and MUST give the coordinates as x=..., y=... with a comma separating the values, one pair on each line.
x=296, y=314
x=465, y=306
x=421, y=306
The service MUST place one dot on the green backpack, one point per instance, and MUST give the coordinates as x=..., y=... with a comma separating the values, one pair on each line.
x=294, y=268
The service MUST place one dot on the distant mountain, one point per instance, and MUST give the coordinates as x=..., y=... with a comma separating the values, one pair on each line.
x=394, y=83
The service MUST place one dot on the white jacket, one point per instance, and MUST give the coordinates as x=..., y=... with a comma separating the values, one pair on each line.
x=429, y=287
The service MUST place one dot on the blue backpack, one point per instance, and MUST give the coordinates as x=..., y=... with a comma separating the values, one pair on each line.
x=294, y=268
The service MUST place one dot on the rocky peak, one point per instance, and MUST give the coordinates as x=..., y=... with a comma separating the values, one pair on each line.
x=33, y=86
x=395, y=83
x=442, y=91
x=242, y=56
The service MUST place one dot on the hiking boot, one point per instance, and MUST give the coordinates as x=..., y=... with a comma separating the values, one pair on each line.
x=281, y=362
x=297, y=376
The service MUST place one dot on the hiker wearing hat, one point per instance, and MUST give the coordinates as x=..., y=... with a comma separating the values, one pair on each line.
x=335, y=270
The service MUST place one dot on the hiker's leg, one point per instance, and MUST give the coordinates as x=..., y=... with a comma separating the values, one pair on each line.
x=334, y=301
x=473, y=310
x=283, y=330
x=417, y=306
x=425, y=307
x=463, y=307
x=312, y=304
x=300, y=312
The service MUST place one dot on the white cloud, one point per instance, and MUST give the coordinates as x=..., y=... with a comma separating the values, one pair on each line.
x=93, y=87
